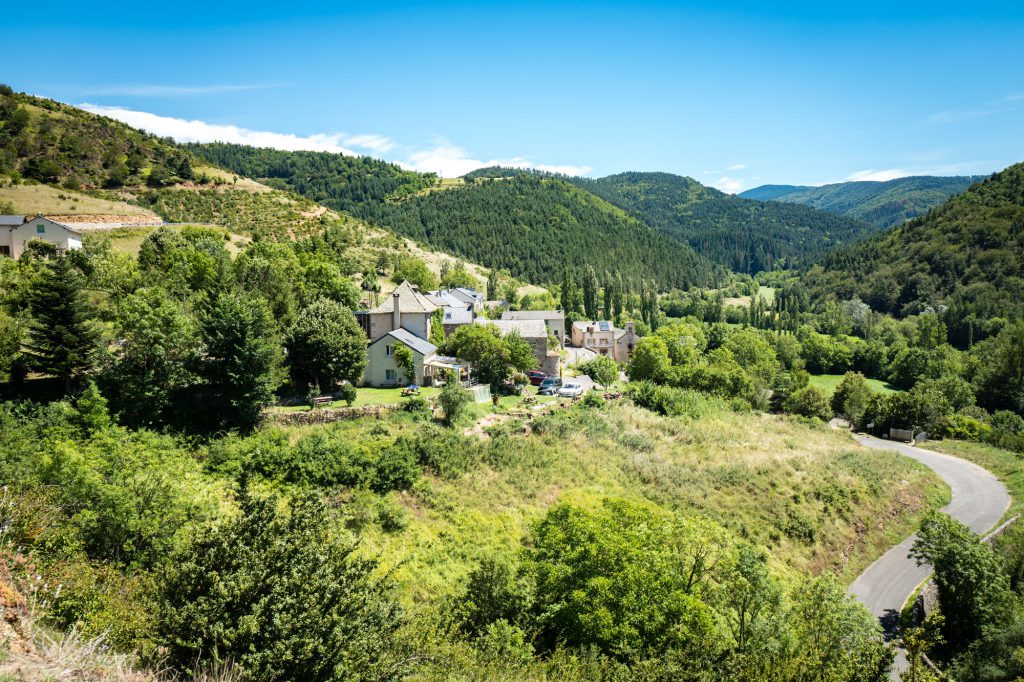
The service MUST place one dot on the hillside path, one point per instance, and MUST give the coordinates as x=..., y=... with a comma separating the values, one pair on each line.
x=978, y=501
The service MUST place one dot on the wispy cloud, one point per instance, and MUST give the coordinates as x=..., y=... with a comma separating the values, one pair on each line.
x=174, y=90
x=184, y=130
x=885, y=174
x=449, y=160
x=736, y=167
x=1002, y=105
x=444, y=158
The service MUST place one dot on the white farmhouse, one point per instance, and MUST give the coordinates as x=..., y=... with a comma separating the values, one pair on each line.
x=16, y=231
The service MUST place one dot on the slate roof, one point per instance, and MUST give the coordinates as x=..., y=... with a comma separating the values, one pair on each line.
x=421, y=346
x=11, y=220
x=458, y=315
x=528, y=329
x=533, y=315
x=410, y=300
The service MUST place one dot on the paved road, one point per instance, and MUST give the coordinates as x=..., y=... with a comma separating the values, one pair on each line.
x=979, y=500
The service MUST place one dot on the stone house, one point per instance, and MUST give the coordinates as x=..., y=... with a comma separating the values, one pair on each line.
x=535, y=333
x=382, y=368
x=554, y=319
x=603, y=337
x=406, y=308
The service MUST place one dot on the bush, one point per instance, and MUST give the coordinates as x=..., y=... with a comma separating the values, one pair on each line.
x=417, y=405
x=453, y=399
x=280, y=597
x=348, y=393
x=851, y=396
x=395, y=470
x=962, y=427
x=593, y=399
x=808, y=402
x=320, y=458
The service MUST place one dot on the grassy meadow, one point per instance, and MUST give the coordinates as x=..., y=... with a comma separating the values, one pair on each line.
x=827, y=383
x=809, y=495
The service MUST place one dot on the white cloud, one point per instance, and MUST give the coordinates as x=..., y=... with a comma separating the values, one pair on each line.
x=736, y=167
x=451, y=161
x=728, y=185
x=184, y=130
x=445, y=159
x=174, y=90
x=376, y=143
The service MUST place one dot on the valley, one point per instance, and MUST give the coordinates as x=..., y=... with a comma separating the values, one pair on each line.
x=270, y=414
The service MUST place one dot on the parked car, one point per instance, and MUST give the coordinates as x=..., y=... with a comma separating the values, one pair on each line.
x=571, y=389
x=549, y=386
x=536, y=377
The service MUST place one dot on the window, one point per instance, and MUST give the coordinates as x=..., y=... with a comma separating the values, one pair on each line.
x=389, y=351
x=389, y=374
x=40, y=229
x=5, y=251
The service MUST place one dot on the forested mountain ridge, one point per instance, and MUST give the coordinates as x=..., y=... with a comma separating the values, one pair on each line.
x=967, y=254
x=534, y=226
x=743, y=235
x=883, y=204
x=530, y=224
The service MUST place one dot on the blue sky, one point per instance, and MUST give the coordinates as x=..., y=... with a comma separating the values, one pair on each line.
x=734, y=94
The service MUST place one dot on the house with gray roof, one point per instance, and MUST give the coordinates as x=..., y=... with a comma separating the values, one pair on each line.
x=382, y=368
x=535, y=333
x=16, y=231
x=554, y=319
x=406, y=308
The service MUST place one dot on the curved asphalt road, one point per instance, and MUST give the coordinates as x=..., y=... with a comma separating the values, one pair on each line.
x=979, y=500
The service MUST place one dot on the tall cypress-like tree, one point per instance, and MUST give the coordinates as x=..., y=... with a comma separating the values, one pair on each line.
x=590, y=287
x=492, y=285
x=62, y=338
x=609, y=294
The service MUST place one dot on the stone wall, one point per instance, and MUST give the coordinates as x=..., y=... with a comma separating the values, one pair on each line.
x=327, y=415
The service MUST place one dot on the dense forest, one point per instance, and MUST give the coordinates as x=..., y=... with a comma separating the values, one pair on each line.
x=341, y=182
x=883, y=204
x=56, y=143
x=530, y=224
x=966, y=255
x=743, y=235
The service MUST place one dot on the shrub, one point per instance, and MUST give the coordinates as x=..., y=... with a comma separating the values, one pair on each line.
x=453, y=399
x=348, y=393
x=417, y=405
x=593, y=399
x=851, y=396
x=395, y=470
x=277, y=595
x=962, y=427
x=808, y=402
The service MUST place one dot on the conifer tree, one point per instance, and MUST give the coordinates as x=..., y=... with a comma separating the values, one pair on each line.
x=590, y=292
x=62, y=340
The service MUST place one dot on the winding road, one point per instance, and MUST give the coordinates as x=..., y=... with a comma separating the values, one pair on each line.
x=979, y=501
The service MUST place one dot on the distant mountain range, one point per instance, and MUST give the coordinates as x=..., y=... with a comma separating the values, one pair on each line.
x=883, y=204
x=741, y=234
x=967, y=254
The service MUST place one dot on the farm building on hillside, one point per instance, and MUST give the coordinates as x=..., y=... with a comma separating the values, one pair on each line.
x=16, y=231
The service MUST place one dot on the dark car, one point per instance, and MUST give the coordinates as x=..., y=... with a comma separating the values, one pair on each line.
x=536, y=377
x=549, y=386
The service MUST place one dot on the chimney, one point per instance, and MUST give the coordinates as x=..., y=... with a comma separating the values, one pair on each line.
x=396, y=312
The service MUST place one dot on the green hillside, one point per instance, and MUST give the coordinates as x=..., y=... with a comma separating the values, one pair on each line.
x=530, y=224
x=55, y=143
x=743, y=235
x=882, y=204
x=967, y=254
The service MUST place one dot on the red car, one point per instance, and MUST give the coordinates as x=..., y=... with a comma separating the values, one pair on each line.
x=536, y=377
